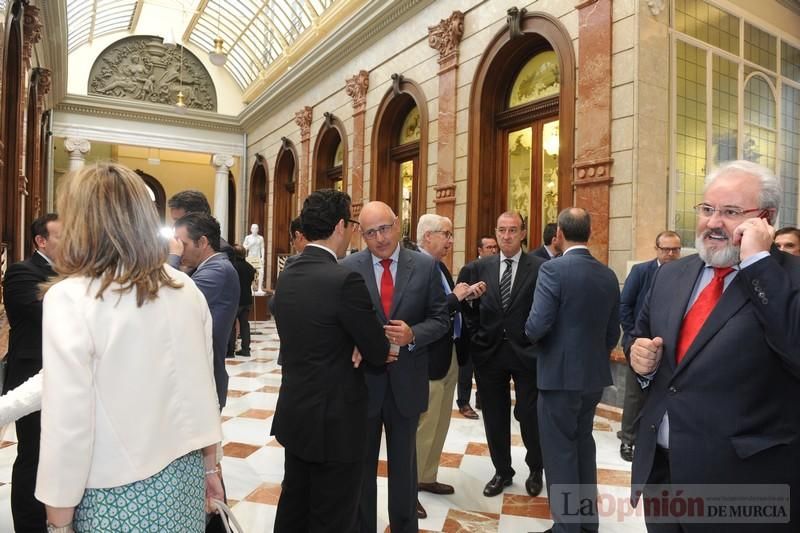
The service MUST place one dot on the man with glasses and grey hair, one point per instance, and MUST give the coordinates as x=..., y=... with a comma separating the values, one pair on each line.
x=717, y=345
x=406, y=290
x=668, y=248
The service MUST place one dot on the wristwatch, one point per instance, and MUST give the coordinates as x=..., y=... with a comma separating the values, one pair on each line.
x=60, y=529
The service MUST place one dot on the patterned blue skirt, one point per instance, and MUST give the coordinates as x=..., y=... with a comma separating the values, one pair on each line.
x=172, y=500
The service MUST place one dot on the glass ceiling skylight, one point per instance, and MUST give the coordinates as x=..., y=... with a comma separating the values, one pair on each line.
x=255, y=32
x=87, y=20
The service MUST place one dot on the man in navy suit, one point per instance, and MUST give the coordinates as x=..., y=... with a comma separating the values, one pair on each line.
x=550, y=247
x=24, y=310
x=501, y=352
x=406, y=289
x=574, y=324
x=197, y=246
x=717, y=345
x=668, y=248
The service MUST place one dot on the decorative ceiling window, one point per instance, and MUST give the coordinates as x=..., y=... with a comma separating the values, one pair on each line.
x=142, y=68
x=731, y=104
x=255, y=33
x=89, y=19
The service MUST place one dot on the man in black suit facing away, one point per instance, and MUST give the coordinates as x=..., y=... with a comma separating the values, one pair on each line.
x=24, y=310
x=551, y=247
x=322, y=311
x=406, y=289
x=634, y=292
x=574, y=323
x=501, y=351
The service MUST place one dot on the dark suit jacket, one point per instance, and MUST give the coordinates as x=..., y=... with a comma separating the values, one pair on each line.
x=24, y=310
x=440, y=352
x=541, y=252
x=488, y=323
x=246, y=274
x=219, y=283
x=633, y=295
x=419, y=301
x=574, y=322
x=323, y=310
x=732, y=400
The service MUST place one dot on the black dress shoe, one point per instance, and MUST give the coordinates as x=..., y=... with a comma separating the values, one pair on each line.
x=534, y=483
x=436, y=488
x=421, y=514
x=495, y=485
x=626, y=451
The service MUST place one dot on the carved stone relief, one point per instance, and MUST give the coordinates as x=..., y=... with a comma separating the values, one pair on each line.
x=446, y=35
x=142, y=68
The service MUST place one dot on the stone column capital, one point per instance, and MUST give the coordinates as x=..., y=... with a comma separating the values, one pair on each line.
x=356, y=88
x=446, y=36
x=222, y=162
x=76, y=145
x=303, y=119
x=31, y=31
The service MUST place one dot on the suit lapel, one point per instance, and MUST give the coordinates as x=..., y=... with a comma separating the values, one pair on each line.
x=404, y=268
x=493, y=279
x=729, y=304
x=367, y=270
x=524, y=271
x=683, y=291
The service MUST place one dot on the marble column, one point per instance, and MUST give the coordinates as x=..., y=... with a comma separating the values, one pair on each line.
x=356, y=88
x=592, y=170
x=445, y=37
x=77, y=150
x=303, y=119
x=222, y=164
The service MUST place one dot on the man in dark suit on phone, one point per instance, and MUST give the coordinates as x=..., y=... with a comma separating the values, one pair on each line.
x=501, y=352
x=322, y=311
x=406, y=289
x=24, y=310
x=717, y=346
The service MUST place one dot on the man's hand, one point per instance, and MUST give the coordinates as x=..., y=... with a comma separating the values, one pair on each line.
x=356, y=358
x=646, y=355
x=754, y=235
x=461, y=290
x=476, y=290
x=398, y=332
x=175, y=247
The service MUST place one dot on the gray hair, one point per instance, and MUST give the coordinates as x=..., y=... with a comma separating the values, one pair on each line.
x=769, y=197
x=429, y=222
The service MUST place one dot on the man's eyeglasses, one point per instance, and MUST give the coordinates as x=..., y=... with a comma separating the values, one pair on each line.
x=373, y=233
x=669, y=250
x=447, y=234
x=728, y=213
x=351, y=221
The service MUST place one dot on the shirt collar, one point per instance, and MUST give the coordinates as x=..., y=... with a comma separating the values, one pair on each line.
x=207, y=260
x=324, y=248
x=576, y=247
x=395, y=255
x=49, y=262
x=514, y=257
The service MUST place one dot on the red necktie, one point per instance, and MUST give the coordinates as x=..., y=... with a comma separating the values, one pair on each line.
x=700, y=311
x=387, y=286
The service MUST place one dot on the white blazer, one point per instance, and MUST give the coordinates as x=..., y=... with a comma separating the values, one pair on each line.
x=127, y=389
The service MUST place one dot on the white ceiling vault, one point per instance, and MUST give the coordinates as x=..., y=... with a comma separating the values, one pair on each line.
x=256, y=33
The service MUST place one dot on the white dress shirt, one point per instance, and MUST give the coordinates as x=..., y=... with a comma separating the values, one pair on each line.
x=514, y=266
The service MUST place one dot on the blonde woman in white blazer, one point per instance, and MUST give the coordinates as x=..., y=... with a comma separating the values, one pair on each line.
x=130, y=420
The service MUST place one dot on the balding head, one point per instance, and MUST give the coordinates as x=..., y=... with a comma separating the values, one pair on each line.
x=379, y=229
x=575, y=225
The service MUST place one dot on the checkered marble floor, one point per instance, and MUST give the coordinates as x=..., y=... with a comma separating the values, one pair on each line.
x=253, y=462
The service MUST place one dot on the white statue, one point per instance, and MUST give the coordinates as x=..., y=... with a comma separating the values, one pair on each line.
x=254, y=244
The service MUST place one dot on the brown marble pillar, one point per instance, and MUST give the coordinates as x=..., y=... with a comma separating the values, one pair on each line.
x=303, y=119
x=592, y=170
x=445, y=38
x=34, y=151
x=356, y=88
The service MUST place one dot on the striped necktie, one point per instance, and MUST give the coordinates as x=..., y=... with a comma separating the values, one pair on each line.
x=505, y=284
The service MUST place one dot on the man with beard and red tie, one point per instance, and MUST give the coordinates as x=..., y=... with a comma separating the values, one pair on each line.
x=717, y=345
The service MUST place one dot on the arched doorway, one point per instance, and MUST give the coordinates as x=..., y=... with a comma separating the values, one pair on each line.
x=330, y=155
x=258, y=205
x=522, y=125
x=400, y=152
x=157, y=192
x=283, y=201
x=12, y=107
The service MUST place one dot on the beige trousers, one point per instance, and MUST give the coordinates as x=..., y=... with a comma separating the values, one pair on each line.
x=434, y=423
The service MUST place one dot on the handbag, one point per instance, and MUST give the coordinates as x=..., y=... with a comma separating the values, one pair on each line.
x=227, y=518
